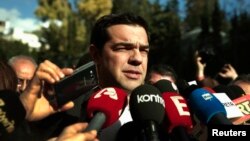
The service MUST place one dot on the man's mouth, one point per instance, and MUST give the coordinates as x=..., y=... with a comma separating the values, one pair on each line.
x=132, y=74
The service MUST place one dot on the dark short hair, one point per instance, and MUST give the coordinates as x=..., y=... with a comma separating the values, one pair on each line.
x=164, y=70
x=99, y=34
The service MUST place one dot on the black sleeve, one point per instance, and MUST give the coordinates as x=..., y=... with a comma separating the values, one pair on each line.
x=12, y=112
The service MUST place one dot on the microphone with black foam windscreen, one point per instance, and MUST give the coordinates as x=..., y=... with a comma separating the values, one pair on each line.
x=177, y=116
x=147, y=110
x=206, y=106
x=166, y=86
x=105, y=107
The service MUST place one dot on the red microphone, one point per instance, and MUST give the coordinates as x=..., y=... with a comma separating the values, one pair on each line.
x=177, y=115
x=105, y=107
x=177, y=111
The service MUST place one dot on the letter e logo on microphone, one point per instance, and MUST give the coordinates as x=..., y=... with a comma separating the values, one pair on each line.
x=111, y=92
x=180, y=105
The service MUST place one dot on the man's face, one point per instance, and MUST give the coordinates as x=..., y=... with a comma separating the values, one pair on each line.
x=123, y=61
x=24, y=70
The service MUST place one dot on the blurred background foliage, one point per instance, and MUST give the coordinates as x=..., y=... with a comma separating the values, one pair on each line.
x=176, y=31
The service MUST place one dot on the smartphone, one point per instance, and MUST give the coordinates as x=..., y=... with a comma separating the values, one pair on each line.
x=83, y=79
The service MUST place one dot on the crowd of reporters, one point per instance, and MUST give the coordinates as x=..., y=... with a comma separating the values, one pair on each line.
x=151, y=120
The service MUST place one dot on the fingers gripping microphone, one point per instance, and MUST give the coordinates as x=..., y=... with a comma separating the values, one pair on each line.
x=206, y=106
x=147, y=110
x=105, y=107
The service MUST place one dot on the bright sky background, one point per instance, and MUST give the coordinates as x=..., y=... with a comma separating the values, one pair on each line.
x=20, y=13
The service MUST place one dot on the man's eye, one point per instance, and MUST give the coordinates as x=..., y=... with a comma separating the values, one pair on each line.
x=145, y=51
x=122, y=48
x=119, y=49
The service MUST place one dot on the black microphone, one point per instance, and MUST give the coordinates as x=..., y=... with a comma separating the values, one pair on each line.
x=147, y=110
x=166, y=86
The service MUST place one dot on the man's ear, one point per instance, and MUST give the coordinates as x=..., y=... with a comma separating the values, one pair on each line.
x=95, y=53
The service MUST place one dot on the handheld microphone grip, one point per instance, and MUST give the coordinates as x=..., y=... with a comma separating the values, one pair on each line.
x=179, y=133
x=150, y=131
x=105, y=107
x=130, y=131
x=96, y=122
x=219, y=119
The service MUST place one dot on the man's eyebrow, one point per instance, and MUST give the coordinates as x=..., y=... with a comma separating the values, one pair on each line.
x=144, y=46
x=129, y=44
x=122, y=44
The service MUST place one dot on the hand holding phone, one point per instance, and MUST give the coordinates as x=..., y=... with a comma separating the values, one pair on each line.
x=82, y=80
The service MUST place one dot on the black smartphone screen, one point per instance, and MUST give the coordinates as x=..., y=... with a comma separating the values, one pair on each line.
x=82, y=80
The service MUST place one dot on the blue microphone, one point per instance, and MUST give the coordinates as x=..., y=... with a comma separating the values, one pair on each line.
x=206, y=106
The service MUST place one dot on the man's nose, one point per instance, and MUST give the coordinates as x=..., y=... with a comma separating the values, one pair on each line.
x=136, y=57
